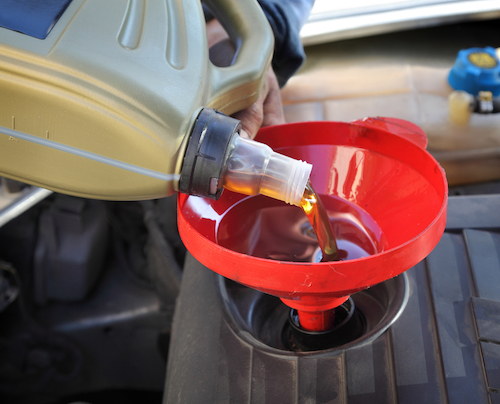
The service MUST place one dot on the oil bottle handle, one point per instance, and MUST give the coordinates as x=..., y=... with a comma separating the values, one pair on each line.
x=237, y=86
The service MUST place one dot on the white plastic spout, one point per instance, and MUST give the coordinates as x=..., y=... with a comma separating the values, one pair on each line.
x=254, y=168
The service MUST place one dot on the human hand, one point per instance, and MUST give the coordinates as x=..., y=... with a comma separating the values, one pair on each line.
x=268, y=109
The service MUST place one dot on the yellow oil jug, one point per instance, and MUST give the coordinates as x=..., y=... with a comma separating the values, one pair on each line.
x=106, y=104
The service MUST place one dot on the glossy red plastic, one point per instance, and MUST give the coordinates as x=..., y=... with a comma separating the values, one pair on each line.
x=377, y=169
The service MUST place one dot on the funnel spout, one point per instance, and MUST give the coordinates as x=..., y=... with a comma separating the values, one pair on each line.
x=316, y=320
x=316, y=313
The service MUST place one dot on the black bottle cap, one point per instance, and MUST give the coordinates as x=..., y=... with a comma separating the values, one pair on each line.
x=206, y=154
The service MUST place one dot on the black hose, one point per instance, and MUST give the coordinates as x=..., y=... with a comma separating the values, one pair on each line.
x=170, y=268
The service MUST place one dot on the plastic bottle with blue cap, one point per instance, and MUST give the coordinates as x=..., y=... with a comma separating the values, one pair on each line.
x=475, y=77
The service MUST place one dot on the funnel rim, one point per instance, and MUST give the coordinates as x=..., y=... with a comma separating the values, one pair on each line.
x=442, y=210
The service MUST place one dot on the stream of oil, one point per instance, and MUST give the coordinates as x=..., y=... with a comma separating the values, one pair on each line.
x=267, y=228
x=316, y=214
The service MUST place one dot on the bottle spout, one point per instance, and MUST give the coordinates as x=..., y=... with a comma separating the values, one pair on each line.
x=254, y=168
x=217, y=158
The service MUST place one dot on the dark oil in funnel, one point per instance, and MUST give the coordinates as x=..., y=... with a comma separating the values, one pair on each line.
x=254, y=168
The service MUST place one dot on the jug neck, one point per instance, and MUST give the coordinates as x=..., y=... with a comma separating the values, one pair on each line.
x=217, y=157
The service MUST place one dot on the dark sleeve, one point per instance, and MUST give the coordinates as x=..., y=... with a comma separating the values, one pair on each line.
x=287, y=18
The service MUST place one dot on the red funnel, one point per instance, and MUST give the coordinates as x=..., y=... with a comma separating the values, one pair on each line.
x=386, y=197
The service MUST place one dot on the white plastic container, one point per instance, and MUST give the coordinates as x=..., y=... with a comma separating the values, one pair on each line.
x=469, y=151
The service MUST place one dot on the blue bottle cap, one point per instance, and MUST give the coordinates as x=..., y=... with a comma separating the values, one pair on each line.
x=475, y=70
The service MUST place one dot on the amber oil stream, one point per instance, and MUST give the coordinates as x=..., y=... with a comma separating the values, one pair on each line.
x=316, y=214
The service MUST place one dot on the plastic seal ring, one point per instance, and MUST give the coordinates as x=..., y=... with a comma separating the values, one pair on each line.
x=206, y=153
